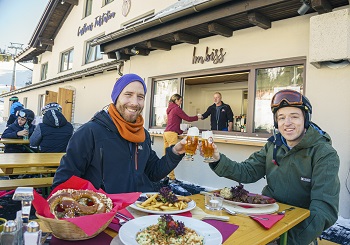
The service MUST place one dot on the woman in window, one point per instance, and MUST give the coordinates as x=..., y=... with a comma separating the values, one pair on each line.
x=175, y=115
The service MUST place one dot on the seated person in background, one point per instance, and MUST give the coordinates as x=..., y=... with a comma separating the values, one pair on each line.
x=113, y=150
x=15, y=108
x=300, y=165
x=221, y=115
x=17, y=130
x=53, y=134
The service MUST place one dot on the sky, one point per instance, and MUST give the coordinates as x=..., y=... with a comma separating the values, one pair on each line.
x=18, y=20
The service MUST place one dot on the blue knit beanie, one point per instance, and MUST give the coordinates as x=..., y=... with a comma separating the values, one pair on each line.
x=123, y=81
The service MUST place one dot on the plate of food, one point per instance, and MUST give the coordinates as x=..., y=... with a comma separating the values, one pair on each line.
x=163, y=202
x=168, y=229
x=241, y=197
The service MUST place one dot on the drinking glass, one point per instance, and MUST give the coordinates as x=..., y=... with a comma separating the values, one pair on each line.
x=207, y=146
x=213, y=202
x=191, y=143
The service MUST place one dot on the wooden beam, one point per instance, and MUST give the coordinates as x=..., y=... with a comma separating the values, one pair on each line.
x=220, y=29
x=72, y=2
x=260, y=20
x=185, y=38
x=321, y=6
x=119, y=56
x=46, y=41
x=141, y=51
x=221, y=11
x=153, y=44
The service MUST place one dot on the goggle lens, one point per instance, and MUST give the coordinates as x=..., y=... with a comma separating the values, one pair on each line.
x=22, y=114
x=291, y=97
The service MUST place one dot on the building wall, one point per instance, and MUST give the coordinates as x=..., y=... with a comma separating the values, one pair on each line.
x=287, y=39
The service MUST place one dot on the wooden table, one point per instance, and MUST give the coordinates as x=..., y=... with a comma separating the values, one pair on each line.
x=14, y=141
x=23, y=142
x=249, y=231
x=11, y=161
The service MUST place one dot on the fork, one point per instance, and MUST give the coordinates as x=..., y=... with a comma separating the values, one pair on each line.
x=253, y=216
x=284, y=211
x=122, y=218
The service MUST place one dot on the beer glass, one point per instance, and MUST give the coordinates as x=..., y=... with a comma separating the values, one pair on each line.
x=207, y=146
x=191, y=143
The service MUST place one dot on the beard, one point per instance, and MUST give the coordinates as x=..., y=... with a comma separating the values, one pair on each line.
x=129, y=114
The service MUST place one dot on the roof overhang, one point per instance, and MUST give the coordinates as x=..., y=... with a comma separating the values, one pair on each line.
x=190, y=23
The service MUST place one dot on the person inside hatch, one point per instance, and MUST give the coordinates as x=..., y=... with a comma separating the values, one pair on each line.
x=53, y=134
x=113, y=150
x=300, y=165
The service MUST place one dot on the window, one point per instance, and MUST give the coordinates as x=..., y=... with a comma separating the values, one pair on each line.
x=163, y=90
x=25, y=102
x=41, y=103
x=92, y=53
x=44, y=68
x=88, y=8
x=248, y=92
x=67, y=60
x=268, y=82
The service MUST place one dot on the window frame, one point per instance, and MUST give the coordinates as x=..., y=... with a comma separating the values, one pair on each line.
x=252, y=68
x=44, y=69
x=88, y=8
x=70, y=55
x=96, y=52
x=105, y=2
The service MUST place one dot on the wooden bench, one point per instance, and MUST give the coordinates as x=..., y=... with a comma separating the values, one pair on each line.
x=12, y=184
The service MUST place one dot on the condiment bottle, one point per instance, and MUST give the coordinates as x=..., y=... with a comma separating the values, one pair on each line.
x=26, y=127
x=9, y=234
x=32, y=236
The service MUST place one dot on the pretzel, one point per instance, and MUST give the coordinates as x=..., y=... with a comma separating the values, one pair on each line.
x=69, y=203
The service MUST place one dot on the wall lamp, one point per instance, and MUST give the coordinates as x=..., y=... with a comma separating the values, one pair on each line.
x=62, y=1
x=304, y=7
x=135, y=51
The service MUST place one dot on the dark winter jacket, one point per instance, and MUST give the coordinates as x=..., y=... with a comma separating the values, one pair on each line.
x=53, y=134
x=175, y=116
x=98, y=153
x=307, y=177
x=219, y=122
x=11, y=133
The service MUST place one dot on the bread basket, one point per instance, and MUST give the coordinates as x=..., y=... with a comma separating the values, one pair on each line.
x=65, y=230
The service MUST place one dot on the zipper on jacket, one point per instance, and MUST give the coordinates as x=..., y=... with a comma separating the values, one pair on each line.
x=136, y=158
x=102, y=174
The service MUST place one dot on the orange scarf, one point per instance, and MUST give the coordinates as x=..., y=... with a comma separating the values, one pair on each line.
x=133, y=132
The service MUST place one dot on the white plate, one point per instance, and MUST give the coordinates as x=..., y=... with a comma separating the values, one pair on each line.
x=191, y=205
x=128, y=231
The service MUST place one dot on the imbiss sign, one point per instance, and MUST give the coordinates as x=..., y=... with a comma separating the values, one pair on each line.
x=215, y=55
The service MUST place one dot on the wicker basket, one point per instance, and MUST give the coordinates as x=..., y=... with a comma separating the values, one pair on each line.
x=65, y=230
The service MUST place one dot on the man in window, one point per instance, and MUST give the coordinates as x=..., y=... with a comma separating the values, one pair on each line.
x=221, y=115
x=300, y=165
x=113, y=150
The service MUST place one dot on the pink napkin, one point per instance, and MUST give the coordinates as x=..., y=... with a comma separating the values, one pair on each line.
x=4, y=193
x=273, y=219
x=89, y=223
x=101, y=239
x=225, y=229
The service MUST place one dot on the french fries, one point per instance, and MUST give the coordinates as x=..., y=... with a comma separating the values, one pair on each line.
x=153, y=204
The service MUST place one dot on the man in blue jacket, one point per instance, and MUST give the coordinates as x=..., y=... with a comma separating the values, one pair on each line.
x=113, y=150
x=53, y=134
x=300, y=165
x=15, y=108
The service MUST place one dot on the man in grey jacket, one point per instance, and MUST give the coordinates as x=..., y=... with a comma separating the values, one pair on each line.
x=300, y=165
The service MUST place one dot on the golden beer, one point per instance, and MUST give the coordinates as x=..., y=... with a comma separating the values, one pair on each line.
x=191, y=145
x=207, y=148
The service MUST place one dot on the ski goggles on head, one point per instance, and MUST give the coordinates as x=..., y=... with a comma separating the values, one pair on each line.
x=290, y=97
x=22, y=114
